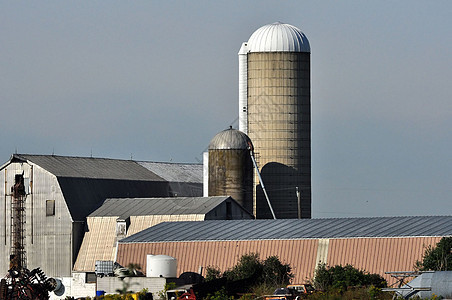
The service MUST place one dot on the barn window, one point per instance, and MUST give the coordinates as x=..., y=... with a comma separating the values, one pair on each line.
x=50, y=207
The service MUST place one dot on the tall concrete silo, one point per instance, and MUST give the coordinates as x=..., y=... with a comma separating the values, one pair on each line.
x=275, y=112
x=231, y=168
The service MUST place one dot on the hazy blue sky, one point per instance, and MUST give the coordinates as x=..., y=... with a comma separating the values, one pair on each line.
x=158, y=79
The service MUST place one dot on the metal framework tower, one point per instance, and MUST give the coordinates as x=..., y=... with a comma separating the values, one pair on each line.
x=18, y=257
x=21, y=283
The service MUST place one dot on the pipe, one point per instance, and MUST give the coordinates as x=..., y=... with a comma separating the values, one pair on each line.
x=6, y=185
x=261, y=181
x=31, y=200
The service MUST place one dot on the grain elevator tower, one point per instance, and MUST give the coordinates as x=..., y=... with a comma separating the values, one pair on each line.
x=275, y=112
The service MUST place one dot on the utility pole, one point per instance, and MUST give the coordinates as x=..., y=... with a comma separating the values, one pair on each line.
x=298, y=202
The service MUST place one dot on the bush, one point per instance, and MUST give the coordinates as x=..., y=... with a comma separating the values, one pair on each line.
x=251, y=274
x=438, y=258
x=341, y=278
x=249, y=266
x=269, y=272
x=212, y=273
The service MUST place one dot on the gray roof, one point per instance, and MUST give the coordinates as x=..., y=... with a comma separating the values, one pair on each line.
x=175, y=172
x=288, y=229
x=86, y=182
x=126, y=207
x=89, y=167
x=230, y=139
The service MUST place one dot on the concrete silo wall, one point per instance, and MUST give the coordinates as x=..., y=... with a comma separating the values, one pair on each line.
x=231, y=174
x=279, y=124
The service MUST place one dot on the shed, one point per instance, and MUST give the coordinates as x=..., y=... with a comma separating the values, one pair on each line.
x=376, y=245
x=120, y=218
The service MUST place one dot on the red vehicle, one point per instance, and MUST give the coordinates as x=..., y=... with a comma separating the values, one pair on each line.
x=189, y=295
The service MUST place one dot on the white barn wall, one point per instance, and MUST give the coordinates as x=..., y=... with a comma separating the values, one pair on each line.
x=47, y=237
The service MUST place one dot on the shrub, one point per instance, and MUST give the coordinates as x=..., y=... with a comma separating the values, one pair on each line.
x=269, y=272
x=341, y=277
x=438, y=258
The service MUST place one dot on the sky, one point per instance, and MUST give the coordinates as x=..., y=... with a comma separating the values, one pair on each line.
x=156, y=80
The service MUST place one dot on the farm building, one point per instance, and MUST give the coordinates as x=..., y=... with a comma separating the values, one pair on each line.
x=62, y=191
x=120, y=218
x=376, y=245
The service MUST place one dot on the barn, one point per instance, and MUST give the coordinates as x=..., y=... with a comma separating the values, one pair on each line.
x=62, y=191
x=376, y=245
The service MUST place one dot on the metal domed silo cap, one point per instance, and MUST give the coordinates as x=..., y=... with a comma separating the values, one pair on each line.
x=230, y=139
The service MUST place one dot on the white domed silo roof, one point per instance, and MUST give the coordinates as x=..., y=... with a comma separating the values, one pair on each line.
x=230, y=139
x=278, y=37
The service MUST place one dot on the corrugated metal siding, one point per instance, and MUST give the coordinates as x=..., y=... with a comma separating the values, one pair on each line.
x=374, y=255
x=379, y=255
x=139, y=223
x=300, y=254
x=98, y=243
x=84, y=195
x=48, y=242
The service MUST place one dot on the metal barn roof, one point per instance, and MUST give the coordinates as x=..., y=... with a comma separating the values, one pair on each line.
x=289, y=229
x=89, y=167
x=86, y=182
x=175, y=172
x=126, y=207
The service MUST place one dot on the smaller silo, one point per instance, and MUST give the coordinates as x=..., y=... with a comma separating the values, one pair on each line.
x=231, y=167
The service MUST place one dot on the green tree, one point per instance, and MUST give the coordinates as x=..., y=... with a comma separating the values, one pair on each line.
x=213, y=273
x=270, y=271
x=341, y=277
x=438, y=258
x=274, y=272
x=249, y=266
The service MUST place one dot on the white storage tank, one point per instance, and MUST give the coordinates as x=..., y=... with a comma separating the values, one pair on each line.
x=161, y=266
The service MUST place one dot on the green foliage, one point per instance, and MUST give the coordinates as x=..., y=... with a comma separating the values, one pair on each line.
x=248, y=266
x=212, y=273
x=361, y=293
x=270, y=271
x=262, y=289
x=374, y=292
x=166, y=287
x=339, y=278
x=438, y=258
x=219, y=295
x=275, y=272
